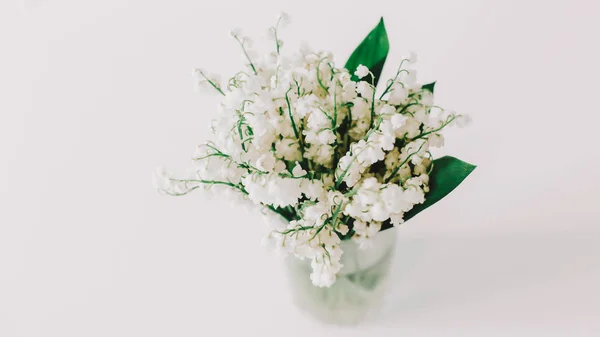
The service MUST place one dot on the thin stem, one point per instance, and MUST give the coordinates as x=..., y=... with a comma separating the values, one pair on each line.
x=372, y=109
x=391, y=84
x=237, y=38
x=435, y=130
x=287, y=100
x=301, y=228
x=319, y=76
x=180, y=194
x=296, y=132
x=277, y=45
x=404, y=162
x=206, y=182
x=334, y=122
x=212, y=84
x=339, y=208
x=212, y=155
x=369, y=133
x=341, y=178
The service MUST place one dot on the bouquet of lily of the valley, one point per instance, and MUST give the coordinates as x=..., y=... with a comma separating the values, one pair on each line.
x=335, y=155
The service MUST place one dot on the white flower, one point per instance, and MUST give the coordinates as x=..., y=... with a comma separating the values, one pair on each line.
x=360, y=108
x=237, y=31
x=436, y=140
x=279, y=166
x=463, y=120
x=378, y=212
x=325, y=269
x=394, y=199
x=298, y=171
x=364, y=232
x=266, y=162
x=326, y=137
x=295, y=136
x=410, y=129
x=426, y=98
x=361, y=71
x=288, y=149
x=161, y=180
x=415, y=151
x=313, y=189
x=412, y=58
x=398, y=121
x=387, y=110
x=348, y=170
x=342, y=229
x=368, y=153
x=409, y=78
x=386, y=138
x=434, y=118
x=365, y=89
x=318, y=120
x=399, y=94
x=306, y=104
x=283, y=19
x=397, y=219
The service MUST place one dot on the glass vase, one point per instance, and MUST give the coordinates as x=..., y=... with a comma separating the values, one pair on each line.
x=357, y=294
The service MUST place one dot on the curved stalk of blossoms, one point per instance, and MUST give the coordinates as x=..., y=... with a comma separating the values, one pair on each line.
x=393, y=173
x=244, y=43
x=296, y=135
x=411, y=60
x=203, y=78
x=282, y=21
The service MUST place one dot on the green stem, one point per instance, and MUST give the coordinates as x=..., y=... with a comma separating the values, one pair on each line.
x=372, y=109
x=287, y=100
x=404, y=162
x=214, y=85
x=319, y=76
x=296, y=132
x=246, y=54
x=433, y=131
x=389, y=86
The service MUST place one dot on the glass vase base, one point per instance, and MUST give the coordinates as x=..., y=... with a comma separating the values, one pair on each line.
x=357, y=294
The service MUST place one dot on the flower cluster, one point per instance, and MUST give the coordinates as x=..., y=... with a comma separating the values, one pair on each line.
x=320, y=146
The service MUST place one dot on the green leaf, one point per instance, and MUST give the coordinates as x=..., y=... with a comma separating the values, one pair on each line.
x=371, y=52
x=447, y=174
x=429, y=86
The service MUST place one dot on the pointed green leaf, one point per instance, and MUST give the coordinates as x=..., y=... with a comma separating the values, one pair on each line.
x=447, y=174
x=371, y=52
x=429, y=86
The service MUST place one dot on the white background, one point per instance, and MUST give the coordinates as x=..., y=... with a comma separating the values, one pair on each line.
x=96, y=94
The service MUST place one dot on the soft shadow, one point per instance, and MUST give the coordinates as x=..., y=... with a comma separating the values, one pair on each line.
x=436, y=272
